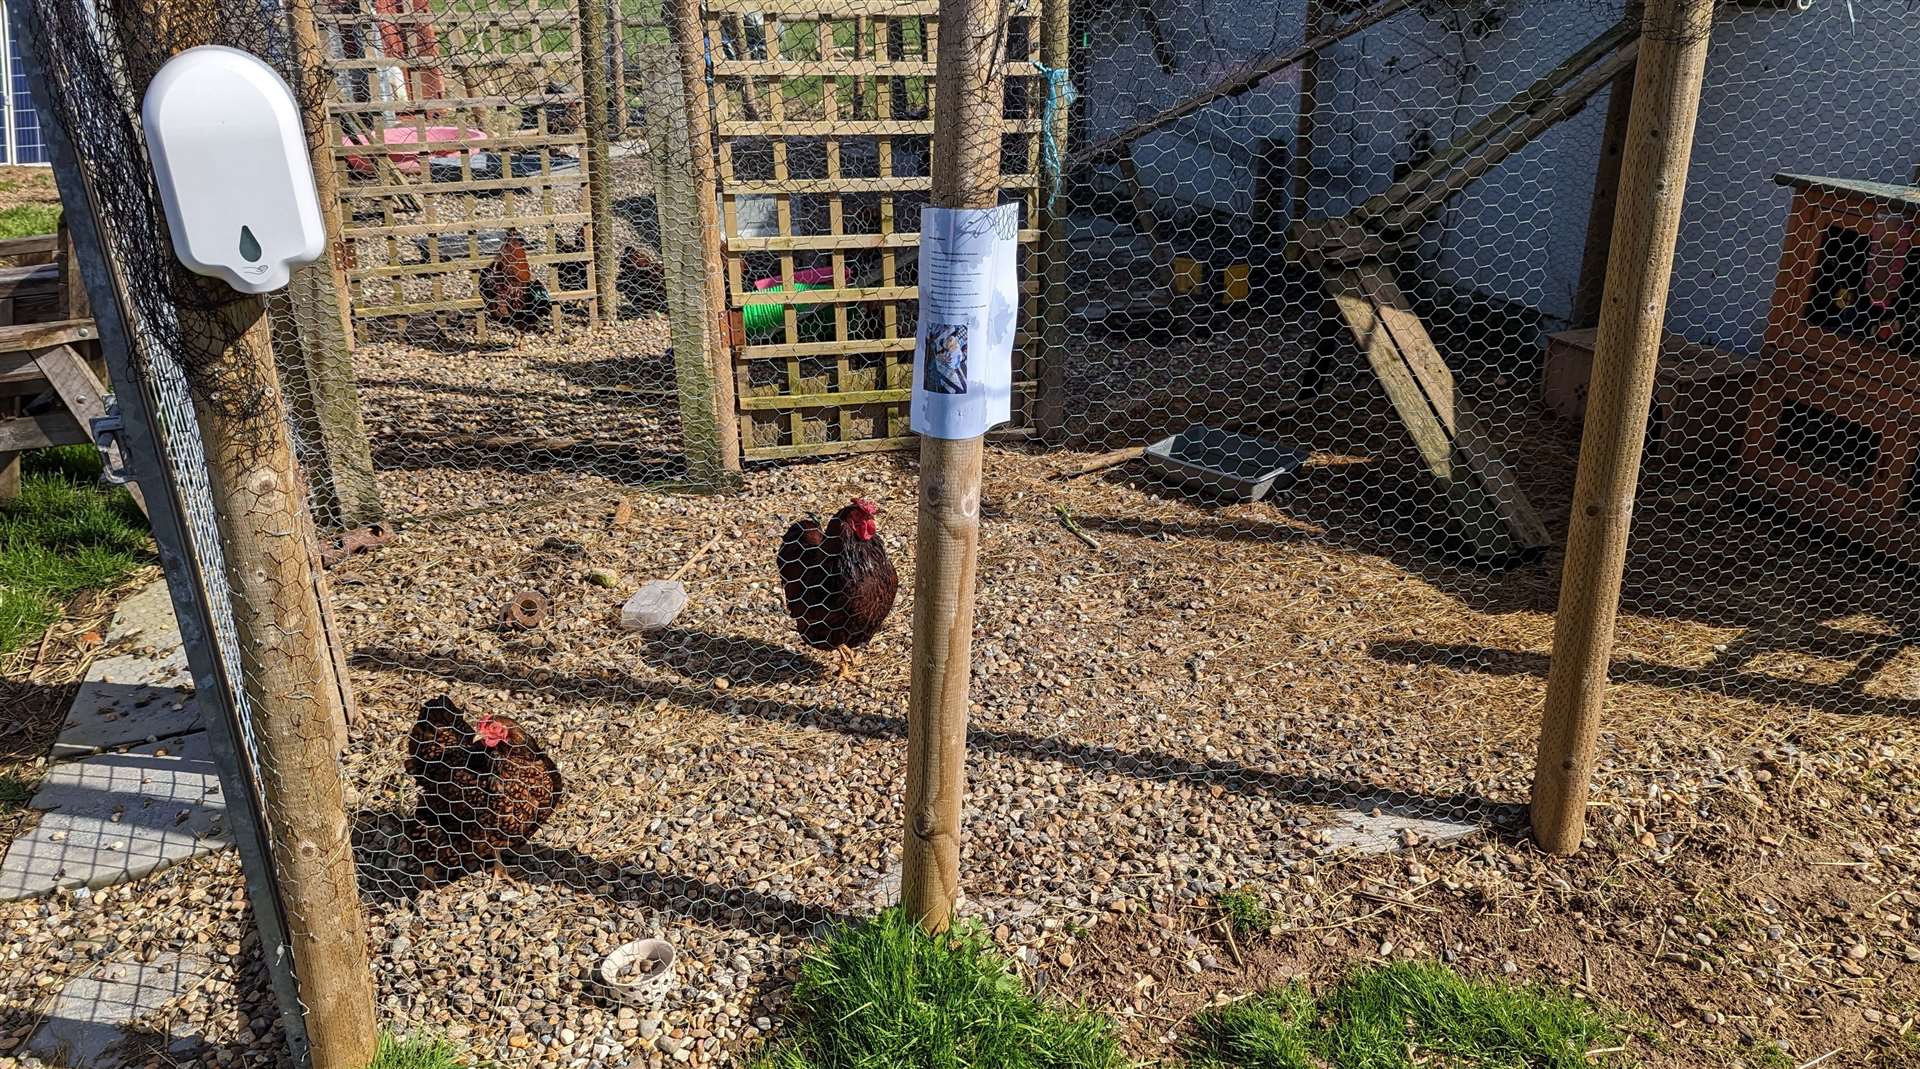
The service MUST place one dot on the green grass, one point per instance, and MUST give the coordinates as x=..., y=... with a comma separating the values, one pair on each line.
x=420, y=1053
x=64, y=535
x=1245, y=912
x=26, y=220
x=886, y=995
x=1402, y=1015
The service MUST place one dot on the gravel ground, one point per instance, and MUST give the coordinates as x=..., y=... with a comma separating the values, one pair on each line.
x=1171, y=712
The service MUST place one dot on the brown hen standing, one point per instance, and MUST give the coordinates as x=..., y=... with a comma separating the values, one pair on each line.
x=839, y=583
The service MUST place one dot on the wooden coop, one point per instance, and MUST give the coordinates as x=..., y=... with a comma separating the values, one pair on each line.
x=1834, y=429
x=824, y=120
x=451, y=127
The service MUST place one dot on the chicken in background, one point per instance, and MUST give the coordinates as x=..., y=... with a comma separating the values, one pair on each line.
x=838, y=582
x=642, y=282
x=485, y=787
x=507, y=286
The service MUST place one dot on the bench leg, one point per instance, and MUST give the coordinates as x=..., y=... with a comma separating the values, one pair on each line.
x=9, y=477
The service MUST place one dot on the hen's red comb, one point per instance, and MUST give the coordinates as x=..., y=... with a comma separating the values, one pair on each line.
x=866, y=506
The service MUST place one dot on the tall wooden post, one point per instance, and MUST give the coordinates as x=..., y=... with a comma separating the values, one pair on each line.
x=1050, y=399
x=1653, y=176
x=712, y=411
x=969, y=81
x=593, y=81
x=1304, y=120
x=289, y=678
x=318, y=355
x=1591, y=286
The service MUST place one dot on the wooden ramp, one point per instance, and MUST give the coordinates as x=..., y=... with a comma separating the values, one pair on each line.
x=1490, y=512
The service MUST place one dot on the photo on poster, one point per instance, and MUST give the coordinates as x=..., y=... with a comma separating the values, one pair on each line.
x=946, y=370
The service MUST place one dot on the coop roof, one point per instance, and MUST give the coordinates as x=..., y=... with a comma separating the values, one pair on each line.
x=1889, y=192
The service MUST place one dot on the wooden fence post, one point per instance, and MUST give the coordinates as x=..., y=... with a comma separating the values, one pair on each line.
x=1050, y=397
x=288, y=675
x=593, y=81
x=1653, y=176
x=969, y=87
x=1589, y=290
x=318, y=355
x=713, y=414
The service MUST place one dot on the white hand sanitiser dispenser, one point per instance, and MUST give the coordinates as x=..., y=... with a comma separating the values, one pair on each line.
x=223, y=130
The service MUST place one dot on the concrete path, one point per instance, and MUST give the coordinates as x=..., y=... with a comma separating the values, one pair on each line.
x=133, y=788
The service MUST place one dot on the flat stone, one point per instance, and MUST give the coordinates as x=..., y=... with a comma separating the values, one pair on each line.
x=654, y=605
x=130, y=696
x=86, y=1028
x=115, y=817
x=1385, y=833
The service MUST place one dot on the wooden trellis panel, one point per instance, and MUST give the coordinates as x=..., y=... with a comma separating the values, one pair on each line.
x=824, y=116
x=497, y=141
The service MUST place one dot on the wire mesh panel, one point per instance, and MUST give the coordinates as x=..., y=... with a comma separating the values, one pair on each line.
x=1268, y=572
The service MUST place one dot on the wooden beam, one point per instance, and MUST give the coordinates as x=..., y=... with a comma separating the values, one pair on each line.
x=968, y=97
x=599, y=162
x=1239, y=82
x=316, y=350
x=1606, y=190
x=81, y=391
x=707, y=388
x=1491, y=513
x=1050, y=400
x=1465, y=145
x=1411, y=214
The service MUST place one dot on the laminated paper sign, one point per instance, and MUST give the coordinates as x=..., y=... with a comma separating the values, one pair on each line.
x=969, y=306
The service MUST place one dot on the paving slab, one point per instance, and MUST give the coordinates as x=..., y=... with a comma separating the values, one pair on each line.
x=118, y=816
x=86, y=1028
x=141, y=690
x=1370, y=834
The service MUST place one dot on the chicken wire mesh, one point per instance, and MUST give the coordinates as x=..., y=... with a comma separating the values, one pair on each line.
x=1326, y=269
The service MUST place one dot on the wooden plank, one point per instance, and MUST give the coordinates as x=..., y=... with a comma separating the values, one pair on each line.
x=1566, y=103
x=781, y=402
x=1240, y=81
x=839, y=9
x=846, y=68
x=31, y=245
x=825, y=186
x=458, y=103
x=25, y=336
x=1491, y=512
x=1053, y=251
x=1535, y=95
x=554, y=180
x=851, y=128
x=465, y=226
x=451, y=146
x=825, y=348
x=465, y=265
x=829, y=242
x=43, y=431
x=826, y=449
x=1606, y=190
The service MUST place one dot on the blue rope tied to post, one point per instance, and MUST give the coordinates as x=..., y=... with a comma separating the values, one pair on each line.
x=1060, y=94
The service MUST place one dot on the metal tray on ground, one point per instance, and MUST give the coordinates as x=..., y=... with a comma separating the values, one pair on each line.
x=1232, y=465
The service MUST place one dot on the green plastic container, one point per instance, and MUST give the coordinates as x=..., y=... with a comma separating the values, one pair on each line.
x=766, y=318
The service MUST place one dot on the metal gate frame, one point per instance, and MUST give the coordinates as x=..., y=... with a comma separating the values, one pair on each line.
x=160, y=453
